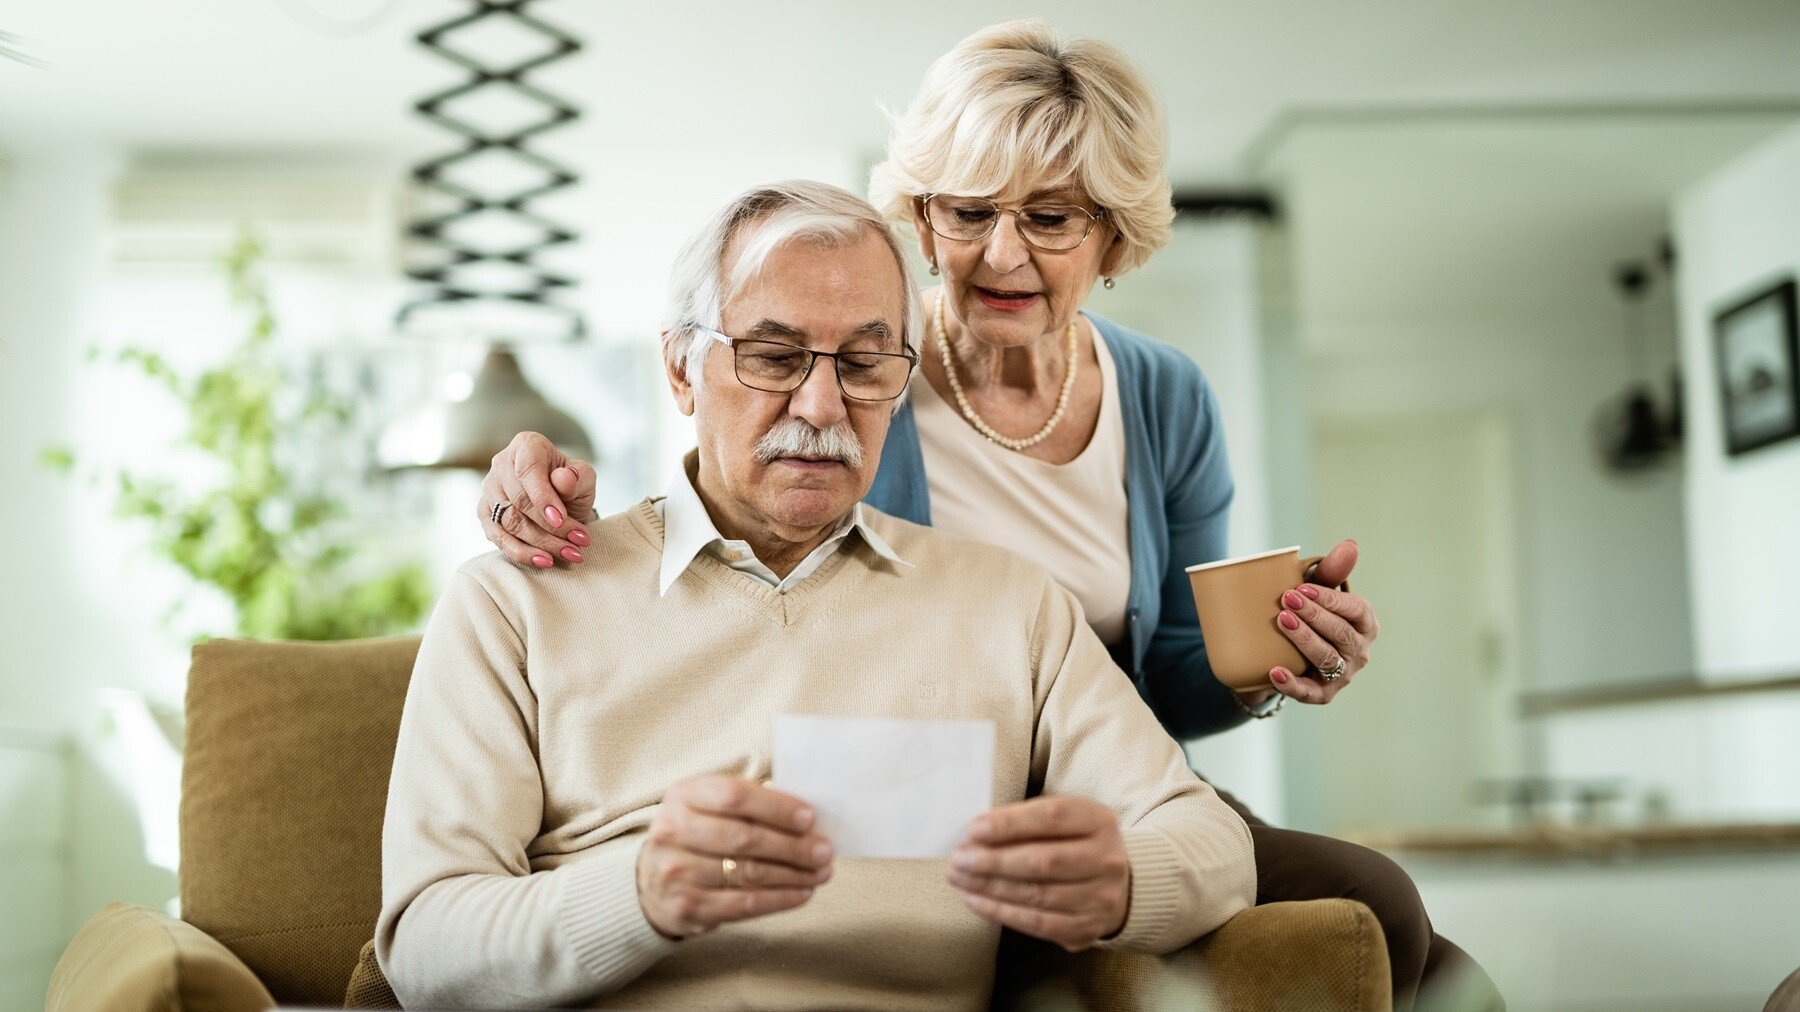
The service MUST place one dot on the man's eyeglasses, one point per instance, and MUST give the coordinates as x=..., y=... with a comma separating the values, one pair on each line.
x=1049, y=225
x=778, y=368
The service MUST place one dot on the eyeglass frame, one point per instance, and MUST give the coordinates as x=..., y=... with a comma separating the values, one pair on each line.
x=912, y=359
x=1093, y=216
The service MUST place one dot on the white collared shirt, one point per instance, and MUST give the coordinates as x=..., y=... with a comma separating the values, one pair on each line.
x=688, y=531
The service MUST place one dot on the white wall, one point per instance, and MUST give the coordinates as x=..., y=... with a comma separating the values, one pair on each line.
x=1712, y=931
x=1737, y=230
x=34, y=866
x=1438, y=558
x=1203, y=295
x=1463, y=269
x=1731, y=757
x=1603, y=593
x=72, y=612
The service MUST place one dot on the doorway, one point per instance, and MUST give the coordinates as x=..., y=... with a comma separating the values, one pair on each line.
x=1429, y=499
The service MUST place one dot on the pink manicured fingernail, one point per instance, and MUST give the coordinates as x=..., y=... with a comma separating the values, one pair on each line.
x=542, y=561
x=1289, y=620
x=554, y=517
x=1279, y=676
x=579, y=537
x=570, y=555
x=1310, y=591
x=1292, y=600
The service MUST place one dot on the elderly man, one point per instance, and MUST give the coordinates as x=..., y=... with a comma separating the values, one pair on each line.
x=577, y=813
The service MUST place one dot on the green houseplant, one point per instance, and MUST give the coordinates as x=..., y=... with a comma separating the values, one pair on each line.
x=287, y=557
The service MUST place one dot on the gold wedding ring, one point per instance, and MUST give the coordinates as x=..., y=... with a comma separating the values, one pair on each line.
x=729, y=866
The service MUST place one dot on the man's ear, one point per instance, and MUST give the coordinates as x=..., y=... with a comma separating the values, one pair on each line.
x=675, y=368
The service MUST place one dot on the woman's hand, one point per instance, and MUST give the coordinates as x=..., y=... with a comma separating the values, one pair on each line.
x=1054, y=868
x=1326, y=624
x=548, y=497
x=712, y=823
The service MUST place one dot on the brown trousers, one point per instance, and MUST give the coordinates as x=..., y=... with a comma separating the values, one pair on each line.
x=1428, y=968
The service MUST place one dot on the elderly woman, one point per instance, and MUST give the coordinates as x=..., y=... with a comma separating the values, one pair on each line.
x=1030, y=167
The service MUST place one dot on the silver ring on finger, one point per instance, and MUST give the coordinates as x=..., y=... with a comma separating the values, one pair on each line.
x=728, y=866
x=1335, y=672
x=497, y=512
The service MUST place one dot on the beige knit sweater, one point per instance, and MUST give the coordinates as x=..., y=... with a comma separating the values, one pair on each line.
x=547, y=716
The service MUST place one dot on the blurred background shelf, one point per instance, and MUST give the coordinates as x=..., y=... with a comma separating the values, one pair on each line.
x=1656, y=690
x=1591, y=841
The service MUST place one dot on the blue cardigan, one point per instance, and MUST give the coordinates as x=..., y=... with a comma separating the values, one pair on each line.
x=1178, y=487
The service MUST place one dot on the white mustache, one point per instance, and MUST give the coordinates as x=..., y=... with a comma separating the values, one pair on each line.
x=794, y=437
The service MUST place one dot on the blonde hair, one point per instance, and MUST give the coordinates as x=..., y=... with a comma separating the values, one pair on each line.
x=1015, y=106
x=792, y=209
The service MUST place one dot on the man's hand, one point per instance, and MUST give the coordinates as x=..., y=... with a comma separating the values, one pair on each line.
x=681, y=870
x=1054, y=868
x=548, y=496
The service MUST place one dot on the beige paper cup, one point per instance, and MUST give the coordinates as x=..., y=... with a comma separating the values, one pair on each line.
x=1238, y=601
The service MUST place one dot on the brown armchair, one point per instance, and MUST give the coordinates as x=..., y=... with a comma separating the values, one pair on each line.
x=284, y=784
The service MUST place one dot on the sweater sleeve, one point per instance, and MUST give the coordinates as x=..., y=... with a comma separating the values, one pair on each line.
x=1192, y=867
x=464, y=919
x=1197, y=494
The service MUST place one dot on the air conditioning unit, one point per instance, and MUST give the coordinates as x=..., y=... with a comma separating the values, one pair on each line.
x=324, y=218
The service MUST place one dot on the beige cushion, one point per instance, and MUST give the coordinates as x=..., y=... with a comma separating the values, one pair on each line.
x=1317, y=954
x=134, y=959
x=368, y=985
x=1325, y=954
x=284, y=784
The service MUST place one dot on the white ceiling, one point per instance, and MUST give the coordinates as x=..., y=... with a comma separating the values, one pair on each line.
x=1437, y=234
x=682, y=76
x=1437, y=217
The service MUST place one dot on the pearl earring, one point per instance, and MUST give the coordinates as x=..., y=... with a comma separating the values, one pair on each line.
x=1108, y=282
x=934, y=269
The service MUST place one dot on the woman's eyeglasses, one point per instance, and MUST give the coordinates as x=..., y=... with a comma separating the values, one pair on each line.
x=1049, y=225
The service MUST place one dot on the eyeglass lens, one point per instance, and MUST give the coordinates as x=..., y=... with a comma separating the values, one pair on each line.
x=1049, y=225
x=781, y=368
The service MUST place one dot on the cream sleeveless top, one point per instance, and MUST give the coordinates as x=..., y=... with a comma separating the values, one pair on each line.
x=1069, y=518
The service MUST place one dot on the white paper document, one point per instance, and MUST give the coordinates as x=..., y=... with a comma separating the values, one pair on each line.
x=887, y=788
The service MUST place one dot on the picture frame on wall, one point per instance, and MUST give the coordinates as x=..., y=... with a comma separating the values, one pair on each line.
x=1758, y=352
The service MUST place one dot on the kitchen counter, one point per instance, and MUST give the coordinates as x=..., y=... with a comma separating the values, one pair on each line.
x=1563, y=840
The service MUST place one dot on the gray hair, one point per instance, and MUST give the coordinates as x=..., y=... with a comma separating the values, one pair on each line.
x=701, y=282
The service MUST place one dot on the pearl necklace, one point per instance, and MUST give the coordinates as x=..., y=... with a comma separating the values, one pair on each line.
x=962, y=401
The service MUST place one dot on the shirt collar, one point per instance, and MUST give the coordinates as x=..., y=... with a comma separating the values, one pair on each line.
x=688, y=529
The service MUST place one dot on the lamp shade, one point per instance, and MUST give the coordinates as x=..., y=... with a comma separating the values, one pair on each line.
x=466, y=433
x=477, y=223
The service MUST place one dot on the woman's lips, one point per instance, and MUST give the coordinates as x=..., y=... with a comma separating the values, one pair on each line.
x=1006, y=302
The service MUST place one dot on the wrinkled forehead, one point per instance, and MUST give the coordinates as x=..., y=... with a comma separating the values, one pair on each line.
x=815, y=287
